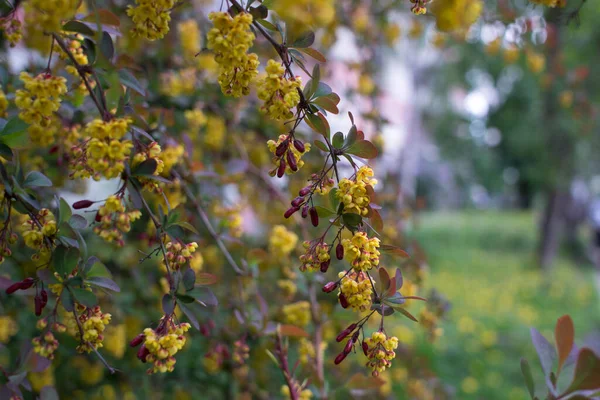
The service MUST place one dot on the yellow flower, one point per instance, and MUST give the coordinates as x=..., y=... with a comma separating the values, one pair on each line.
x=297, y=313
x=151, y=18
x=161, y=345
x=281, y=241
x=279, y=93
x=190, y=38
x=361, y=252
x=380, y=351
x=356, y=288
x=456, y=15
x=353, y=193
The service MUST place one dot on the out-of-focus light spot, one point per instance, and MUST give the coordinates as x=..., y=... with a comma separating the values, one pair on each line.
x=510, y=175
x=476, y=104
x=492, y=137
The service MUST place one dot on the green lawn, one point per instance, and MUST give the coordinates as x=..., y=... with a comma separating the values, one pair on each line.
x=484, y=263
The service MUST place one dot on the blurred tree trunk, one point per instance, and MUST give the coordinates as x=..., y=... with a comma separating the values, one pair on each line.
x=550, y=227
x=525, y=193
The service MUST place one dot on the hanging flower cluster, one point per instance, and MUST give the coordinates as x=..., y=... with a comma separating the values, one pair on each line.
x=361, y=251
x=49, y=14
x=287, y=155
x=316, y=256
x=93, y=323
x=380, y=351
x=354, y=193
x=113, y=220
x=279, y=93
x=39, y=233
x=151, y=18
x=356, y=290
x=282, y=241
x=178, y=254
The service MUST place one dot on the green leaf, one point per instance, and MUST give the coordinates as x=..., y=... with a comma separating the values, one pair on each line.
x=64, y=211
x=65, y=259
x=338, y=140
x=66, y=299
x=85, y=297
x=363, y=149
x=107, y=48
x=317, y=55
x=146, y=168
x=259, y=12
x=90, y=50
x=78, y=222
x=105, y=283
x=203, y=295
x=351, y=137
x=187, y=225
x=189, y=311
x=403, y=311
x=14, y=133
x=395, y=299
x=526, y=371
x=189, y=279
x=131, y=81
x=316, y=78
x=321, y=146
x=5, y=151
x=319, y=124
x=267, y=25
x=94, y=268
x=324, y=212
x=323, y=90
x=398, y=279
x=36, y=179
x=79, y=27
x=351, y=220
x=305, y=40
x=168, y=305
x=327, y=104
x=545, y=351
x=383, y=309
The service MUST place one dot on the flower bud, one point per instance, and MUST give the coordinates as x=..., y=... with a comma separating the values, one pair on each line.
x=343, y=334
x=304, y=191
x=13, y=288
x=37, y=301
x=349, y=345
x=325, y=266
x=44, y=297
x=297, y=201
x=299, y=146
x=27, y=283
x=343, y=300
x=136, y=341
x=78, y=205
x=291, y=159
x=143, y=353
x=314, y=216
x=281, y=148
x=305, y=211
x=290, y=211
x=281, y=169
x=98, y=217
x=339, y=251
x=330, y=287
x=340, y=357
x=365, y=347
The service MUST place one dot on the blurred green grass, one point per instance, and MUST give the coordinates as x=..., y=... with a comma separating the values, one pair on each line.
x=484, y=263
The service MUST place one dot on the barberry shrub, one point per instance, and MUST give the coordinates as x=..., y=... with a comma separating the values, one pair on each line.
x=114, y=95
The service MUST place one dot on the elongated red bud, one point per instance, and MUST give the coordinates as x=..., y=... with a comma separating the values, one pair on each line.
x=98, y=217
x=281, y=168
x=330, y=287
x=314, y=216
x=13, y=288
x=27, y=283
x=53, y=150
x=78, y=205
x=136, y=341
x=325, y=266
x=143, y=353
x=297, y=201
x=291, y=159
x=304, y=191
x=290, y=212
x=365, y=348
x=343, y=300
x=37, y=301
x=349, y=345
x=305, y=211
x=299, y=146
x=281, y=148
x=339, y=251
x=44, y=297
x=343, y=334
x=340, y=357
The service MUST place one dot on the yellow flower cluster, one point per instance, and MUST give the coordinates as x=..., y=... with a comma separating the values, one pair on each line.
x=418, y=7
x=550, y=3
x=380, y=351
x=76, y=49
x=152, y=151
x=282, y=241
x=45, y=345
x=113, y=220
x=163, y=346
x=49, y=14
x=214, y=138
x=3, y=103
x=93, y=322
x=8, y=328
x=195, y=119
x=536, y=62
x=287, y=287
x=357, y=288
x=178, y=83
x=178, y=255
x=302, y=393
x=37, y=230
x=151, y=18
x=170, y=156
x=306, y=350
x=279, y=93
x=105, y=154
x=314, y=256
x=295, y=153
x=240, y=353
x=308, y=12
x=361, y=251
x=13, y=31
x=230, y=39
x=297, y=313
x=456, y=15
x=190, y=38
x=38, y=102
x=353, y=193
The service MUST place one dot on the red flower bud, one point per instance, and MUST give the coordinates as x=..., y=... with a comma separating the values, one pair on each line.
x=330, y=287
x=314, y=216
x=305, y=211
x=44, y=297
x=325, y=266
x=297, y=201
x=339, y=251
x=349, y=345
x=13, y=288
x=343, y=300
x=291, y=159
x=290, y=212
x=340, y=357
x=304, y=191
x=343, y=334
x=281, y=169
x=37, y=301
x=281, y=148
x=375, y=374
x=365, y=348
x=78, y=205
x=143, y=353
x=136, y=341
x=299, y=146
x=98, y=217
x=27, y=283
x=53, y=150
